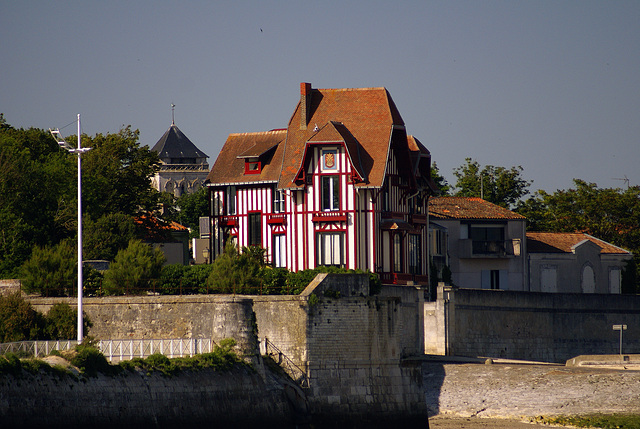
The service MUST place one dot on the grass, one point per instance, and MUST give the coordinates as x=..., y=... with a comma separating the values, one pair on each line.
x=603, y=421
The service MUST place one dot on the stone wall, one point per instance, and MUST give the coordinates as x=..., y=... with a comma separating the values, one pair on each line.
x=238, y=398
x=351, y=346
x=164, y=317
x=547, y=327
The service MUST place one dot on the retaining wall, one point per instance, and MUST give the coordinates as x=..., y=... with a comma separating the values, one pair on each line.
x=547, y=327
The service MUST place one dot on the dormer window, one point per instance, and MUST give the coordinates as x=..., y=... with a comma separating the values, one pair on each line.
x=252, y=166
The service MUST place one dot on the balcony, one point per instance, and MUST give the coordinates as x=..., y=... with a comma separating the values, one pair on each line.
x=228, y=220
x=489, y=249
x=329, y=216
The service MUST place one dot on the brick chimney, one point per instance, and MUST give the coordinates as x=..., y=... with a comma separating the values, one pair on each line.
x=305, y=102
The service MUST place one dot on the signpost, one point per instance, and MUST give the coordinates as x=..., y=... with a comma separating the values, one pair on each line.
x=620, y=328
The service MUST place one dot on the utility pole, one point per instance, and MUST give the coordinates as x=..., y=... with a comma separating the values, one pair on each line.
x=79, y=151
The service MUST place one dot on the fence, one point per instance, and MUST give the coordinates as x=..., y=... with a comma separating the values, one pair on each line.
x=116, y=350
x=293, y=370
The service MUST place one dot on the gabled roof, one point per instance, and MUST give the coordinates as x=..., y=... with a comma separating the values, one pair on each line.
x=463, y=208
x=369, y=115
x=230, y=165
x=564, y=242
x=336, y=132
x=174, y=144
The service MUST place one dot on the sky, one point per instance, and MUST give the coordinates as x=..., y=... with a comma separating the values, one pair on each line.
x=551, y=86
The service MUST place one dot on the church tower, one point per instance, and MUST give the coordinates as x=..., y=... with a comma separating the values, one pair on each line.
x=184, y=167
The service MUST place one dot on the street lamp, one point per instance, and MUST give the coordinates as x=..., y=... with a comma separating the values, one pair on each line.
x=79, y=150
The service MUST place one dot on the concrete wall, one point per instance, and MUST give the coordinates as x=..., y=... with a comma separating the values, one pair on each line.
x=526, y=325
x=517, y=391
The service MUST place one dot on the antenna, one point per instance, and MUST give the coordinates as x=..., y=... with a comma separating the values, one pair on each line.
x=173, y=107
x=625, y=179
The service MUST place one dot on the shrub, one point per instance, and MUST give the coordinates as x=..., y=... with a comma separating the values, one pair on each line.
x=182, y=279
x=18, y=320
x=89, y=359
x=134, y=269
x=51, y=271
x=61, y=322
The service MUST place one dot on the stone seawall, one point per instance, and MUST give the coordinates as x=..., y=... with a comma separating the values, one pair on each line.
x=517, y=391
x=237, y=398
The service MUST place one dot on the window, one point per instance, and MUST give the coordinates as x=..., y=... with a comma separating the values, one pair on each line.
x=415, y=254
x=397, y=253
x=330, y=248
x=231, y=200
x=494, y=279
x=254, y=236
x=278, y=201
x=279, y=251
x=252, y=166
x=330, y=193
x=488, y=239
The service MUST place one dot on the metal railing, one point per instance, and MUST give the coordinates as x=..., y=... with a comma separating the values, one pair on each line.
x=37, y=348
x=117, y=350
x=293, y=370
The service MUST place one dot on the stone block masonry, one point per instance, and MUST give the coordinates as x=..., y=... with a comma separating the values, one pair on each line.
x=353, y=347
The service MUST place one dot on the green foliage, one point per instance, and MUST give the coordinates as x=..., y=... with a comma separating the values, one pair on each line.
x=221, y=358
x=39, y=194
x=18, y=320
x=134, y=271
x=234, y=272
x=441, y=183
x=116, y=174
x=177, y=279
x=498, y=185
x=90, y=361
x=61, y=322
x=10, y=364
x=191, y=208
x=105, y=237
x=602, y=421
x=51, y=271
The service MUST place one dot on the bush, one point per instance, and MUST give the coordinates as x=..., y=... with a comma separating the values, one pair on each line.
x=89, y=359
x=134, y=270
x=19, y=321
x=61, y=322
x=182, y=279
x=51, y=271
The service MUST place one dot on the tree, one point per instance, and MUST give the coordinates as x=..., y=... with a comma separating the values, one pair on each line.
x=135, y=269
x=105, y=237
x=116, y=174
x=443, y=186
x=191, y=208
x=61, y=322
x=498, y=185
x=235, y=272
x=51, y=270
x=18, y=320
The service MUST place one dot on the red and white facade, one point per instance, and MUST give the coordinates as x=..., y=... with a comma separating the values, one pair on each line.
x=343, y=185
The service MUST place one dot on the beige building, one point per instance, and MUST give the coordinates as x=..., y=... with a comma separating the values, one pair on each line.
x=574, y=263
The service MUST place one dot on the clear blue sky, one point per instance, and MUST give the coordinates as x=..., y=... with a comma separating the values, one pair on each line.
x=553, y=86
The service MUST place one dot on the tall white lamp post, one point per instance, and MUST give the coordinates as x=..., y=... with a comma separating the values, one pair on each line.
x=79, y=151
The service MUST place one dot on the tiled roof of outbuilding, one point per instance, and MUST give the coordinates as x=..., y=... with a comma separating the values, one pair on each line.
x=468, y=208
x=563, y=242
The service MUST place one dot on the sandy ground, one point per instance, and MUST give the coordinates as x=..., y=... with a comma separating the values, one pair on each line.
x=445, y=422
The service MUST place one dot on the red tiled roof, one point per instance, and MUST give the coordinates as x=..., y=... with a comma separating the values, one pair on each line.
x=369, y=114
x=468, y=208
x=229, y=166
x=563, y=242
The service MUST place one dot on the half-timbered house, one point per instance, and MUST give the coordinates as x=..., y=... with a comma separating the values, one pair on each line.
x=342, y=185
